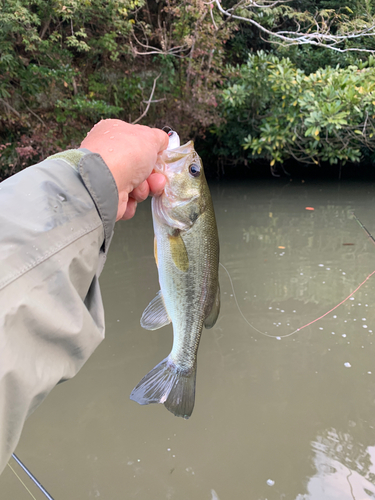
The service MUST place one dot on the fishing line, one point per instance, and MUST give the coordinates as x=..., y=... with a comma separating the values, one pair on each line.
x=248, y=322
x=278, y=337
x=333, y=308
x=20, y=480
x=31, y=476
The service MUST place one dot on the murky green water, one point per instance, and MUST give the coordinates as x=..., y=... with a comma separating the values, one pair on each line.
x=274, y=419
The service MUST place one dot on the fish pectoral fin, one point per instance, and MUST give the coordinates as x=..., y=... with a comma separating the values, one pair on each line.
x=179, y=252
x=155, y=315
x=214, y=313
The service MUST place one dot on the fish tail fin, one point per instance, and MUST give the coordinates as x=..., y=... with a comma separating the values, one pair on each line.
x=168, y=384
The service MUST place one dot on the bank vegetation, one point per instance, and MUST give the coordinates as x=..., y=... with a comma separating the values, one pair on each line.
x=264, y=80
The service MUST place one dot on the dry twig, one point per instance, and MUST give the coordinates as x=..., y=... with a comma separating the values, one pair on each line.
x=149, y=101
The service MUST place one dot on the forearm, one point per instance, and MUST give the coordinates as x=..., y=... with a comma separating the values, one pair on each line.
x=56, y=225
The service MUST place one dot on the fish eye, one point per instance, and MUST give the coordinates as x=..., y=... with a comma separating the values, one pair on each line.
x=194, y=170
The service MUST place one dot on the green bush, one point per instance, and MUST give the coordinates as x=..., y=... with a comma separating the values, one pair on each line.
x=278, y=112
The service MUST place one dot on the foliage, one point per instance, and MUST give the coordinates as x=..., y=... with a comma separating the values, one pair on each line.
x=188, y=42
x=78, y=106
x=72, y=63
x=279, y=112
x=65, y=64
x=57, y=60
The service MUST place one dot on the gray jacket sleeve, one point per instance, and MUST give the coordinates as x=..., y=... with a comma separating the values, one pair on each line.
x=56, y=224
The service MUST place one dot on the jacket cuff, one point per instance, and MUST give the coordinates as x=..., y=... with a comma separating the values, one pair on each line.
x=102, y=187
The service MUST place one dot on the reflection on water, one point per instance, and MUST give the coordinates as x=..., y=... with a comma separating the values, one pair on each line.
x=344, y=468
x=274, y=419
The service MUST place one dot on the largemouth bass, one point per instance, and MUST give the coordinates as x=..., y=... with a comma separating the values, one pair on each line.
x=187, y=256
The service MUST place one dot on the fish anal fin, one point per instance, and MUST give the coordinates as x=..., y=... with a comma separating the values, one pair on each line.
x=214, y=313
x=179, y=252
x=155, y=315
x=168, y=385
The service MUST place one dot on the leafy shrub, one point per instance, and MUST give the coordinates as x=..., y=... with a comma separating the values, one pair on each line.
x=78, y=106
x=278, y=112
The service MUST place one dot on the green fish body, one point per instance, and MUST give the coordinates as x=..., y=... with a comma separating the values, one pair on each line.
x=187, y=256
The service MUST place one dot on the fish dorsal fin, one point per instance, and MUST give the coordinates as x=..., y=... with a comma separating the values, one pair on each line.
x=179, y=252
x=212, y=317
x=155, y=315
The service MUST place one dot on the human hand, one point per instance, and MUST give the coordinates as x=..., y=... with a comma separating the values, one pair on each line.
x=130, y=152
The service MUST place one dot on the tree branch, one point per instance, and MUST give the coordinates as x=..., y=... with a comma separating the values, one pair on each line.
x=9, y=107
x=174, y=51
x=32, y=112
x=320, y=38
x=149, y=101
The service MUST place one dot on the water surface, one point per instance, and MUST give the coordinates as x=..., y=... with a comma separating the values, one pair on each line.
x=289, y=418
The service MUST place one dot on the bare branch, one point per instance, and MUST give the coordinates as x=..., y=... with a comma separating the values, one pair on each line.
x=9, y=107
x=45, y=27
x=320, y=38
x=266, y=5
x=213, y=20
x=149, y=101
x=165, y=42
x=32, y=112
x=156, y=100
x=154, y=50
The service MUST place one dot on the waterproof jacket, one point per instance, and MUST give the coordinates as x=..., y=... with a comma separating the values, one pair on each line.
x=56, y=224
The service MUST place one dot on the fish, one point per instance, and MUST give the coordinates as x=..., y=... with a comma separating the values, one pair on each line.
x=186, y=252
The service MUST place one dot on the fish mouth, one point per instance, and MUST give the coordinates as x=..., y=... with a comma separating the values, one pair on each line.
x=172, y=162
x=170, y=159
